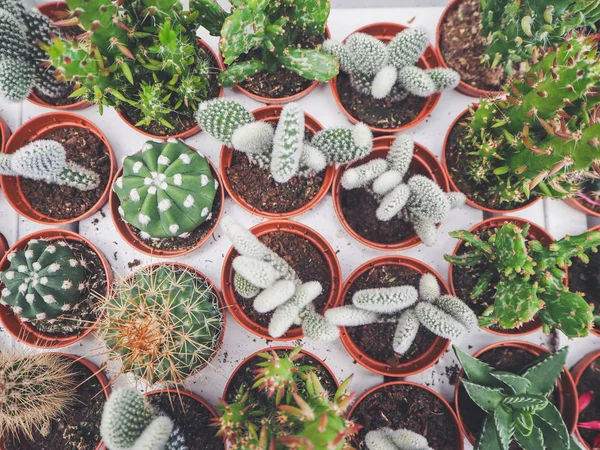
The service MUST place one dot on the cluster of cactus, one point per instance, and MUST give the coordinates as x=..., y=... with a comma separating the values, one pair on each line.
x=420, y=199
x=390, y=71
x=166, y=190
x=515, y=28
x=46, y=160
x=283, y=149
x=444, y=315
x=140, y=54
x=35, y=389
x=23, y=65
x=402, y=439
x=517, y=407
x=273, y=28
x=163, y=323
x=542, y=137
x=528, y=278
x=287, y=407
x=129, y=422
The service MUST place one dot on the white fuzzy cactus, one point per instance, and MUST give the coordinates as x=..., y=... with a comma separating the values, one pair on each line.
x=368, y=53
x=416, y=81
x=385, y=300
x=444, y=78
x=402, y=439
x=288, y=143
x=356, y=177
x=344, y=145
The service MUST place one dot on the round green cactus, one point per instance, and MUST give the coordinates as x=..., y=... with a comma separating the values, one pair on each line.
x=166, y=190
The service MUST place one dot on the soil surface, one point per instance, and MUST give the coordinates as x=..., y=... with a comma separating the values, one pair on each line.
x=590, y=382
x=305, y=258
x=376, y=339
x=64, y=202
x=79, y=429
x=191, y=417
x=585, y=278
x=410, y=407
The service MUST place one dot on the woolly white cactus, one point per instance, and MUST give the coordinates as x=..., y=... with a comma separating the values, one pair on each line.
x=386, y=300
x=416, y=80
x=343, y=145
x=356, y=177
x=368, y=54
x=444, y=78
x=402, y=439
x=407, y=47
x=288, y=143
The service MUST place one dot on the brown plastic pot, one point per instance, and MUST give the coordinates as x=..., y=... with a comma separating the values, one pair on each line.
x=459, y=445
x=127, y=233
x=580, y=206
x=4, y=134
x=24, y=332
x=535, y=232
x=414, y=366
x=35, y=129
x=455, y=188
x=423, y=163
x=385, y=32
x=272, y=114
x=335, y=271
x=576, y=373
x=567, y=398
x=3, y=246
x=192, y=131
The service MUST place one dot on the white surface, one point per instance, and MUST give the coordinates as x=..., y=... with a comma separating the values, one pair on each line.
x=557, y=217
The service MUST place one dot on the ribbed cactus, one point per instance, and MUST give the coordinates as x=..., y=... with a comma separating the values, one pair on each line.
x=294, y=411
x=527, y=278
x=46, y=160
x=288, y=143
x=166, y=190
x=402, y=439
x=443, y=315
x=129, y=422
x=43, y=281
x=163, y=323
x=542, y=140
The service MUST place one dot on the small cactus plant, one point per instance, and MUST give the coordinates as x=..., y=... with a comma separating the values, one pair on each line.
x=129, y=422
x=444, y=315
x=424, y=202
x=166, y=190
x=402, y=439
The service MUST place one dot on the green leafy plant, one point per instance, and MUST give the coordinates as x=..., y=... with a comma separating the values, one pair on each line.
x=273, y=28
x=527, y=278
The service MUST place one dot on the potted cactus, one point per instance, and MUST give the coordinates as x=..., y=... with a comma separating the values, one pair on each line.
x=587, y=199
x=395, y=197
x=49, y=282
x=388, y=76
x=291, y=165
x=51, y=401
x=148, y=64
x=167, y=199
x=586, y=374
x=272, y=50
x=278, y=275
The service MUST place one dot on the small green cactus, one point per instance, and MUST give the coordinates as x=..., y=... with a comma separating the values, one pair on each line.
x=402, y=439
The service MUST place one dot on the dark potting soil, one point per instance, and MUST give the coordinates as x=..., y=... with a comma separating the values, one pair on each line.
x=79, y=428
x=410, y=407
x=64, y=202
x=74, y=322
x=191, y=417
x=590, y=382
x=377, y=113
x=462, y=46
x=282, y=83
x=305, y=258
x=376, y=339
x=585, y=278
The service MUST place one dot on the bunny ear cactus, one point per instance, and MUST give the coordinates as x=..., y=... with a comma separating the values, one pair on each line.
x=530, y=279
x=288, y=143
x=402, y=439
x=343, y=145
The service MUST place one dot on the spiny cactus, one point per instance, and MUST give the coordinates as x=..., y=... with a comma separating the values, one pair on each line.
x=425, y=203
x=527, y=278
x=166, y=190
x=542, y=138
x=163, y=323
x=402, y=439
x=443, y=315
x=129, y=422
x=390, y=71
x=46, y=160
x=297, y=413
x=288, y=143
x=516, y=406
x=343, y=145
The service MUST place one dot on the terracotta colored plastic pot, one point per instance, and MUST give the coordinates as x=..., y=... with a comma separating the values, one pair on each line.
x=127, y=233
x=411, y=367
x=271, y=114
x=459, y=439
x=24, y=332
x=423, y=162
x=385, y=32
x=462, y=87
x=567, y=399
x=335, y=272
x=455, y=188
x=3, y=246
x=580, y=206
x=535, y=232
x=576, y=373
x=192, y=131
x=4, y=134
x=36, y=129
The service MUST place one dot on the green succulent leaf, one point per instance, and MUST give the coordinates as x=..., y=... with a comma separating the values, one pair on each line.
x=503, y=421
x=310, y=15
x=488, y=439
x=553, y=426
x=211, y=16
x=310, y=63
x=242, y=31
x=476, y=370
x=526, y=402
x=238, y=72
x=516, y=383
x=488, y=399
x=544, y=373
x=569, y=312
x=533, y=440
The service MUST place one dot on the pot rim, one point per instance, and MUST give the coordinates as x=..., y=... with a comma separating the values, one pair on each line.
x=576, y=372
